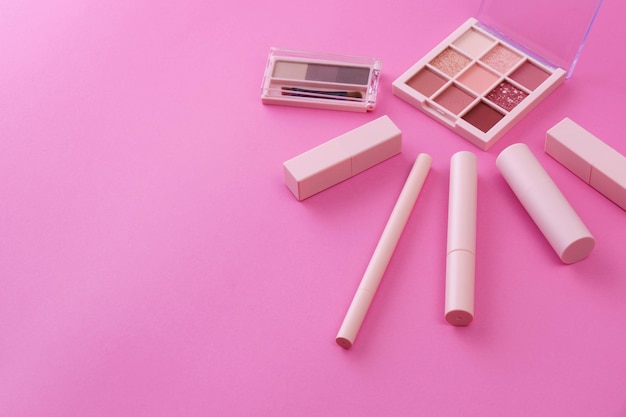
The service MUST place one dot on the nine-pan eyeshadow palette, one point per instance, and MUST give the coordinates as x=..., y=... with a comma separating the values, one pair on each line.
x=310, y=79
x=476, y=84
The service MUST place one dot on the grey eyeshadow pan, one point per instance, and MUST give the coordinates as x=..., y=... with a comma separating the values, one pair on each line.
x=337, y=74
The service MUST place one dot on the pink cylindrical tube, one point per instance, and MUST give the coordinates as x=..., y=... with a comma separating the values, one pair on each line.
x=461, y=248
x=545, y=203
x=382, y=254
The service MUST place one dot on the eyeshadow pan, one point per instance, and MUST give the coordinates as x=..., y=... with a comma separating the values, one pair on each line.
x=478, y=78
x=337, y=74
x=426, y=82
x=450, y=62
x=483, y=117
x=501, y=58
x=289, y=70
x=529, y=75
x=321, y=72
x=507, y=96
x=454, y=99
x=473, y=43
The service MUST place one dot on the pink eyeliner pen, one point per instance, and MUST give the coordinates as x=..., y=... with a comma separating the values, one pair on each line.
x=383, y=252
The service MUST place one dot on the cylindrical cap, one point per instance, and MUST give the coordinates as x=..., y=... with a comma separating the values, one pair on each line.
x=460, y=270
x=462, y=202
x=545, y=203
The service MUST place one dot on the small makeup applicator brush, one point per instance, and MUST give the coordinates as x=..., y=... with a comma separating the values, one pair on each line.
x=302, y=92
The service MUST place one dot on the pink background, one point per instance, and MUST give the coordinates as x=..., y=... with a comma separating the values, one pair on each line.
x=152, y=262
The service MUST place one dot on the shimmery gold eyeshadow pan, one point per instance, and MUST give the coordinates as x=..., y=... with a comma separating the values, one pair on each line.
x=480, y=82
x=450, y=62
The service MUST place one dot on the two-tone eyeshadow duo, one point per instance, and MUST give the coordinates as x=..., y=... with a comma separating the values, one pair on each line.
x=477, y=84
x=309, y=79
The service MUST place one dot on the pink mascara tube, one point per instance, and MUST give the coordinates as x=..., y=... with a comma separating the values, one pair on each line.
x=383, y=252
x=461, y=251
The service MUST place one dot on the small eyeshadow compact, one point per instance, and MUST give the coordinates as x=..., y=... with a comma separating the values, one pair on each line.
x=310, y=79
x=489, y=73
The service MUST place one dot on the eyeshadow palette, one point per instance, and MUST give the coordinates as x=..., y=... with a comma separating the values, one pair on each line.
x=476, y=84
x=309, y=79
x=489, y=73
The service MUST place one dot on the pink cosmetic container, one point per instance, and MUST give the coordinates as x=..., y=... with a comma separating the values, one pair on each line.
x=545, y=204
x=592, y=160
x=342, y=157
x=460, y=261
x=489, y=73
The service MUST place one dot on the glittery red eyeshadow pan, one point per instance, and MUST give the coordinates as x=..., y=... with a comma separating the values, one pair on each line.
x=506, y=95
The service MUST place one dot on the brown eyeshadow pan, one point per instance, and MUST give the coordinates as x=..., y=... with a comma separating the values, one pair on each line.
x=426, y=82
x=454, y=99
x=483, y=117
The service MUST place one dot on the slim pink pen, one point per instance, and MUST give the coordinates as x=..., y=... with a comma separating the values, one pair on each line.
x=383, y=252
x=461, y=252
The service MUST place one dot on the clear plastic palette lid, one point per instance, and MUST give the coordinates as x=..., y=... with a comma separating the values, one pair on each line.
x=551, y=31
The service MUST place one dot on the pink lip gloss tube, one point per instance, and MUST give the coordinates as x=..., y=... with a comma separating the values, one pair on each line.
x=460, y=260
x=383, y=252
x=545, y=203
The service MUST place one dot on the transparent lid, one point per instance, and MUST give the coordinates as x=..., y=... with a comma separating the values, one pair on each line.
x=551, y=31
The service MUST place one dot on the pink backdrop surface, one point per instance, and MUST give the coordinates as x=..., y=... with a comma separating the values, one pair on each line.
x=153, y=263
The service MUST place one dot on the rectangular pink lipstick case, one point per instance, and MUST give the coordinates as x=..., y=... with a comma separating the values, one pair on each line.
x=589, y=158
x=342, y=157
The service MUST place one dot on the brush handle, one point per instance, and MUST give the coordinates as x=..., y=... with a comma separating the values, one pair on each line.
x=302, y=92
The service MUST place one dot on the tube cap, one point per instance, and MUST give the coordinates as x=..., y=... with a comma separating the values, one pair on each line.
x=460, y=271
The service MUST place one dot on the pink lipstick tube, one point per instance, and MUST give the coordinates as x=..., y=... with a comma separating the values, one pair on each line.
x=545, y=203
x=460, y=260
